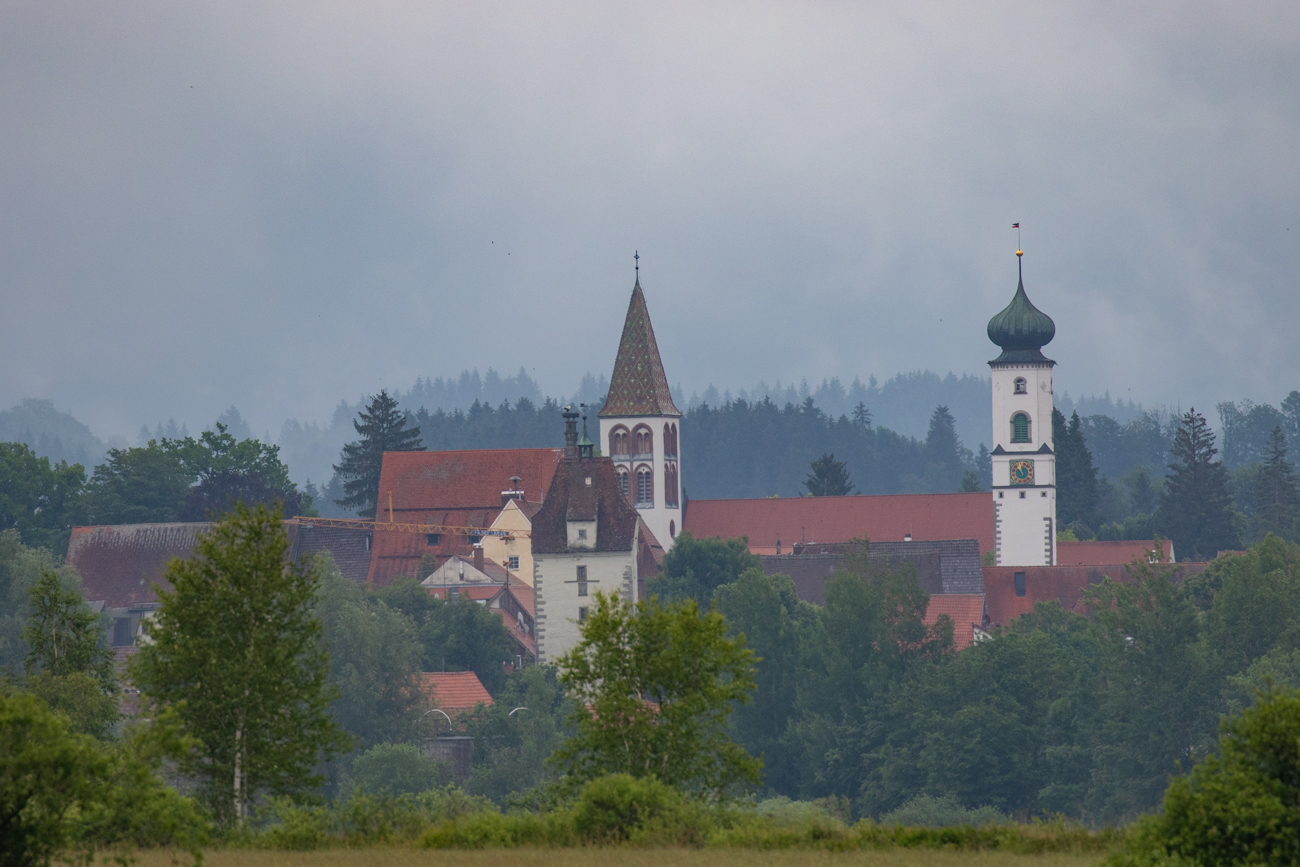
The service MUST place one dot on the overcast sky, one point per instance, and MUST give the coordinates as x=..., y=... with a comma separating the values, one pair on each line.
x=281, y=205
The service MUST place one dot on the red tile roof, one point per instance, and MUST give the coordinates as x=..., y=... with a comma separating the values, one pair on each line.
x=1108, y=553
x=455, y=489
x=585, y=489
x=927, y=517
x=638, y=385
x=121, y=564
x=967, y=614
x=454, y=691
x=1063, y=584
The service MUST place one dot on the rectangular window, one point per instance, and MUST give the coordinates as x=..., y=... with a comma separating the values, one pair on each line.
x=582, y=573
x=453, y=593
x=582, y=615
x=582, y=534
x=513, y=562
x=433, y=539
x=582, y=588
x=1020, y=583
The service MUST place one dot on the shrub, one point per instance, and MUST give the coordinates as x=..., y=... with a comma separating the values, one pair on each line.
x=399, y=769
x=931, y=812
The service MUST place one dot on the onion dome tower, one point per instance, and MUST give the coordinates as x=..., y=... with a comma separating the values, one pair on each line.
x=638, y=425
x=1024, y=463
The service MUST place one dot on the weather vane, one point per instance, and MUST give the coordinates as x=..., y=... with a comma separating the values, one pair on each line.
x=1016, y=226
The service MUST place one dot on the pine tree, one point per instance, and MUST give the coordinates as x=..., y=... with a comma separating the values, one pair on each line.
x=829, y=478
x=862, y=416
x=1196, y=510
x=943, y=458
x=382, y=427
x=1275, y=491
x=1076, y=477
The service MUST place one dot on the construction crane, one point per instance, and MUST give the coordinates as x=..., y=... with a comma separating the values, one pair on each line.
x=403, y=526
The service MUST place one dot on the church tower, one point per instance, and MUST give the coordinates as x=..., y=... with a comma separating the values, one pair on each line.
x=638, y=426
x=1024, y=464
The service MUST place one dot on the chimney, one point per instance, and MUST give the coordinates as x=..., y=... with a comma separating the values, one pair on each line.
x=516, y=491
x=478, y=557
x=570, y=432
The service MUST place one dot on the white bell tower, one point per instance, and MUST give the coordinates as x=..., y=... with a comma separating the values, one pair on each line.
x=1024, y=462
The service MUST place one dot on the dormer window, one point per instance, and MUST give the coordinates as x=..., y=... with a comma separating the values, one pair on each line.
x=1020, y=428
x=1022, y=387
x=582, y=534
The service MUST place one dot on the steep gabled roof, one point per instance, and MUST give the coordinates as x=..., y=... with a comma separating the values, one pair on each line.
x=119, y=565
x=885, y=518
x=454, y=691
x=967, y=612
x=638, y=386
x=585, y=489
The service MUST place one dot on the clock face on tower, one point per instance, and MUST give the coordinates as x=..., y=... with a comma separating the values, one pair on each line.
x=1022, y=472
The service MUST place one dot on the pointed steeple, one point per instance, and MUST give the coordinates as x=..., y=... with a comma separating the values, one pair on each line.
x=638, y=385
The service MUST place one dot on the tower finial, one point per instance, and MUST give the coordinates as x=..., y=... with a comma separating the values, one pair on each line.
x=636, y=256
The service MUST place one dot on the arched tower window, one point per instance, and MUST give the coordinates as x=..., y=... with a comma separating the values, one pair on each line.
x=645, y=487
x=644, y=440
x=1021, y=386
x=670, y=439
x=618, y=441
x=670, y=485
x=1020, y=428
x=621, y=475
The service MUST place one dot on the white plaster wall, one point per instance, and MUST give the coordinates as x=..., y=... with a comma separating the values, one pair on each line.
x=1025, y=529
x=1038, y=403
x=557, y=602
x=659, y=517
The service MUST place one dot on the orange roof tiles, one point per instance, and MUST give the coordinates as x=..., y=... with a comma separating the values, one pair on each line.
x=887, y=518
x=454, y=691
x=1108, y=553
x=967, y=614
x=454, y=489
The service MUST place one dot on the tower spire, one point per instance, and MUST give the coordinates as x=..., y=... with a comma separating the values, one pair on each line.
x=636, y=257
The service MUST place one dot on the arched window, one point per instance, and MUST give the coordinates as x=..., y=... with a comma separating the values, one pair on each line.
x=672, y=529
x=1020, y=428
x=644, y=440
x=670, y=439
x=1021, y=386
x=621, y=475
x=618, y=441
x=670, y=485
x=645, y=487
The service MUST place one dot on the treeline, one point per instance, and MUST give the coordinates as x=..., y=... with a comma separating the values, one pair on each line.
x=1060, y=713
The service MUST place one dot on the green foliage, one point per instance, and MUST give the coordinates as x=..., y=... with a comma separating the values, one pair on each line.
x=375, y=656
x=1196, y=509
x=61, y=794
x=40, y=501
x=829, y=478
x=237, y=651
x=382, y=427
x=516, y=735
x=63, y=635
x=455, y=634
x=361, y=819
x=21, y=568
x=620, y=807
x=654, y=685
x=1276, y=499
x=945, y=460
x=1242, y=807
x=139, y=486
x=928, y=811
x=695, y=568
x=1076, y=477
x=395, y=769
x=90, y=707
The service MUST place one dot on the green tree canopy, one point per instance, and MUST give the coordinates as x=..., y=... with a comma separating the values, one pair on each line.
x=1277, y=501
x=1196, y=509
x=237, y=649
x=1076, y=477
x=39, y=501
x=944, y=462
x=694, y=568
x=829, y=478
x=382, y=427
x=654, y=685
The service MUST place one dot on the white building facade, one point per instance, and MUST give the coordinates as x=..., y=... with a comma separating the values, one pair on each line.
x=1024, y=462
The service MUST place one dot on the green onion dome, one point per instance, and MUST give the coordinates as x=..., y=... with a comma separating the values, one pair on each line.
x=1021, y=329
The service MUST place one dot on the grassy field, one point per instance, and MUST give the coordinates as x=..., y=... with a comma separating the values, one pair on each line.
x=400, y=857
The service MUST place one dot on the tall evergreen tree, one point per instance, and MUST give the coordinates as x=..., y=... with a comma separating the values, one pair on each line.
x=382, y=427
x=943, y=463
x=1196, y=510
x=1076, y=477
x=1275, y=491
x=829, y=478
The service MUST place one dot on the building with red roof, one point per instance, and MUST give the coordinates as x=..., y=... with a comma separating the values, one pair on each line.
x=452, y=489
x=1109, y=553
x=969, y=616
x=455, y=692
x=774, y=525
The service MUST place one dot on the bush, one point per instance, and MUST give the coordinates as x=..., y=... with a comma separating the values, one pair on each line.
x=618, y=808
x=398, y=769
x=1240, y=808
x=931, y=812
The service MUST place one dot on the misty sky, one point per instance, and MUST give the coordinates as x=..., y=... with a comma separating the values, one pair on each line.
x=282, y=205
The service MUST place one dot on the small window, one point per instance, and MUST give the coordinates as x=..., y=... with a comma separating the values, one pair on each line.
x=1021, y=386
x=433, y=539
x=999, y=495
x=622, y=481
x=582, y=533
x=1020, y=583
x=582, y=588
x=513, y=562
x=453, y=593
x=582, y=615
x=645, y=489
x=1044, y=494
x=672, y=529
x=1020, y=428
x=475, y=539
x=1022, y=495
x=369, y=538
x=582, y=573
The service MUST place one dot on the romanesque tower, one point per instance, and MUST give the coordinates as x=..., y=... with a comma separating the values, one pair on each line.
x=638, y=426
x=1024, y=465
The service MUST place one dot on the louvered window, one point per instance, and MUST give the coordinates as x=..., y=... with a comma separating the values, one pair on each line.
x=1020, y=428
x=645, y=489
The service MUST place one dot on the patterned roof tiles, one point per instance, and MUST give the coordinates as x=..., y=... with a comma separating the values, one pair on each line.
x=638, y=386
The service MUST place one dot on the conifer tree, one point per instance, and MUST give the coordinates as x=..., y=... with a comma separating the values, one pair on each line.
x=1076, y=477
x=382, y=427
x=943, y=453
x=1275, y=491
x=829, y=478
x=1196, y=510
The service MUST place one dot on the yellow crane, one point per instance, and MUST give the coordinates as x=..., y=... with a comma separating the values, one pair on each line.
x=403, y=526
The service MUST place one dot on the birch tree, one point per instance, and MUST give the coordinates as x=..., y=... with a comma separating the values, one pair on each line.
x=238, y=651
